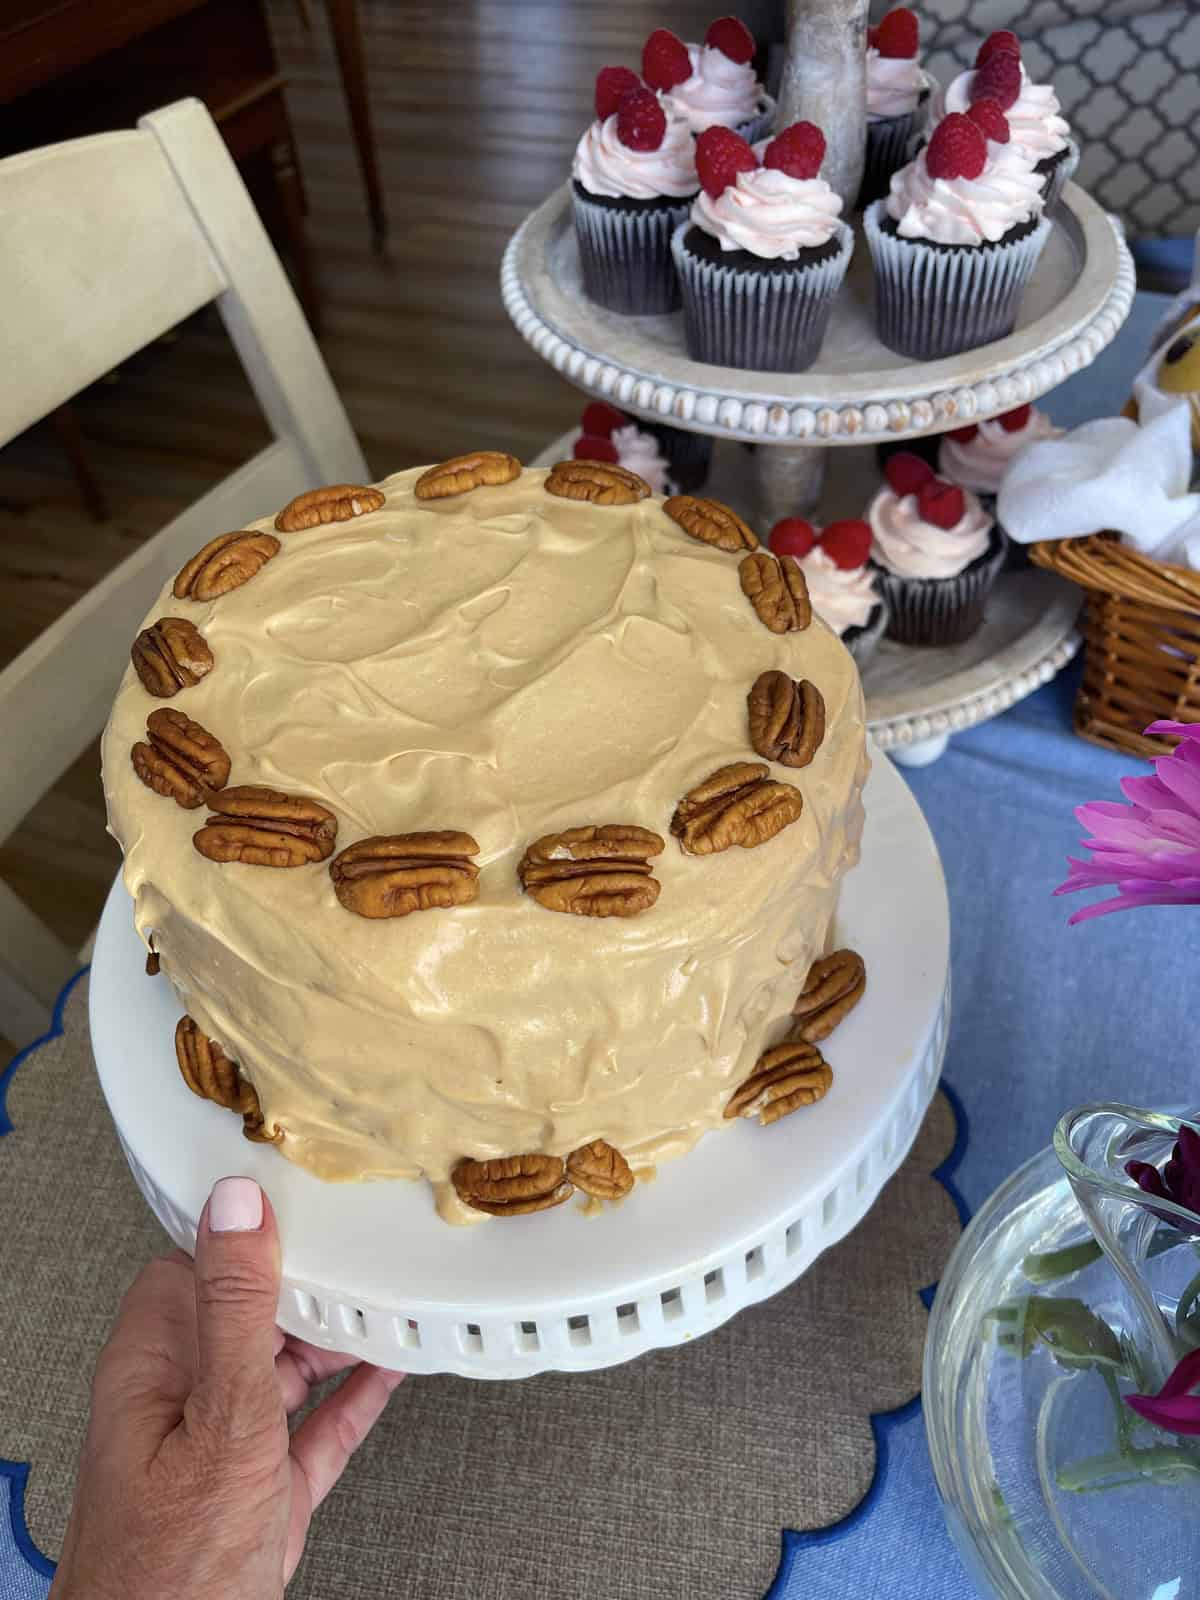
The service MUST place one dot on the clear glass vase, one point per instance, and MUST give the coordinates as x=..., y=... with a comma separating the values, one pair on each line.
x=1071, y=1289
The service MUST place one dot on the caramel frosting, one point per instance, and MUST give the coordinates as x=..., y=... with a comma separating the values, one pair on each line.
x=508, y=664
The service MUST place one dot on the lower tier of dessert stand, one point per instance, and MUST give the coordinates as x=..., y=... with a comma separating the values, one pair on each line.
x=918, y=698
x=370, y=1269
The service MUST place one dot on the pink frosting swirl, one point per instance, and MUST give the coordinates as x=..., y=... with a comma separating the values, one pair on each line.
x=894, y=85
x=1036, y=125
x=842, y=597
x=981, y=463
x=964, y=210
x=907, y=545
x=603, y=165
x=770, y=214
x=718, y=91
x=640, y=453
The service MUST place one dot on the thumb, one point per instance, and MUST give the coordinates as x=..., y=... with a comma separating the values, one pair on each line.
x=237, y=1290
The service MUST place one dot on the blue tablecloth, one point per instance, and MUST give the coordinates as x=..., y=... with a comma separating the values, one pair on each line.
x=1045, y=1017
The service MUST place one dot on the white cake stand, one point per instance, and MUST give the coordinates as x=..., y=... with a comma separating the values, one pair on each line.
x=917, y=698
x=370, y=1269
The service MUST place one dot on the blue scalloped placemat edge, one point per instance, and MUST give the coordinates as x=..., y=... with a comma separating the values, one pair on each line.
x=789, y=1580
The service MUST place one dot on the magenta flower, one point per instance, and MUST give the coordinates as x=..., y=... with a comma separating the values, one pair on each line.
x=1149, y=849
x=1175, y=1407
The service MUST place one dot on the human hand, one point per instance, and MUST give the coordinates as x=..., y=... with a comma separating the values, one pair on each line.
x=189, y=1485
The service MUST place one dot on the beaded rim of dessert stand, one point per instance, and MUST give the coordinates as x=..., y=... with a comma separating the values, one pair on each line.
x=1022, y=367
x=689, y=1288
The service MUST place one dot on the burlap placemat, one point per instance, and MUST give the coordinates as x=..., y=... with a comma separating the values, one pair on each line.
x=671, y=1476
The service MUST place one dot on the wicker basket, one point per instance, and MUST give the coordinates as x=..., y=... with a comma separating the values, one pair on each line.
x=1141, y=633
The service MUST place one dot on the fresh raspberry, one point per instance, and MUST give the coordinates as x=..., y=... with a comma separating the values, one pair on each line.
x=602, y=420
x=899, y=34
x=611, y=84
x=998, y=42
x=798, y=150
x=957, y=149
x=732, y=38
x=963, y=435
x=792, y=537
x=848, y=543
x=720, y=155
x=641, y=121
x=987, y=115
x=906, y=472
x=998, y=79
x=1014, y=421
x=941, y=503
x=593, y=447
x=665, y=60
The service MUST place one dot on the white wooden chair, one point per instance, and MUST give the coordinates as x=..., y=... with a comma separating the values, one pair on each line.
x=105, y=243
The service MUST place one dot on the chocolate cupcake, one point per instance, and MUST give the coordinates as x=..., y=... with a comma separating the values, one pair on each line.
x=711, y=84
x=898, y=92
x=842, y=586
x=978, y=456
x=764, y=252
x=634, y=177
x=936, y=553
x=955, y=243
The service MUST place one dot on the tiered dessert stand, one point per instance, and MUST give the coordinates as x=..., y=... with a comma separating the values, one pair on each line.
x=809, y=430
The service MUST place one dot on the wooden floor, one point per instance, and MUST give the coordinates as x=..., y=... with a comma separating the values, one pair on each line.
x=477, y=107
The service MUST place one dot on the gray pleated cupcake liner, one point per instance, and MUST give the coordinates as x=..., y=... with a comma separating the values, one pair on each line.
x=625, y=256
x=931, y=303
x=758, y=321
x=888, y=141
x=937, y=611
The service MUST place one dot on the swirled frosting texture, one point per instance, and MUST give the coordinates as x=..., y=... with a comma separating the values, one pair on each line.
x=904, y=543
x=719, y=90
x=769, y=213
x=842, y=597
x=603, y=165
x=963, y=210
x=981, y=463
x=509, y=663
x=1036, y=126
x=894, y=85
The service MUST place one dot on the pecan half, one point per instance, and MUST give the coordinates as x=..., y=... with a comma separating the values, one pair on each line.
x=833, y=988
x=787, y=719
x=791, y=1075
x=169, y=655
x=511, y=1185
x=593, y=871
x=602, y=483
x=600, y=1170
x=225, y=563
x=739, y=805
x=710, y=521
x=153, y=964
x=776, y=588
x=182, y=760
x=336, y=502
x=264, y=828
x=475, y=470
x=391, y=875
x=209, y=1073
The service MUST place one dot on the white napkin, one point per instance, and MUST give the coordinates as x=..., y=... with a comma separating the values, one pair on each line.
x=1114, y=473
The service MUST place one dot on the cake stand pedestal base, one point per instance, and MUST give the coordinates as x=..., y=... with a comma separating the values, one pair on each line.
x=791, y=480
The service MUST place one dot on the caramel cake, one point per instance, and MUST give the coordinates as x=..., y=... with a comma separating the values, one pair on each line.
x=488, y=823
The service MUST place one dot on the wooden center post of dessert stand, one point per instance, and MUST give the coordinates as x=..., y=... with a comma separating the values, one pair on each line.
x=824, y=81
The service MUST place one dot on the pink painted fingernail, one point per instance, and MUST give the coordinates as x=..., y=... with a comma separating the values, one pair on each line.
x=235, y=1206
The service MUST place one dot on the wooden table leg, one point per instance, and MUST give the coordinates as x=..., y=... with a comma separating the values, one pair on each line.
x=347, y=41
x=66, y=426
